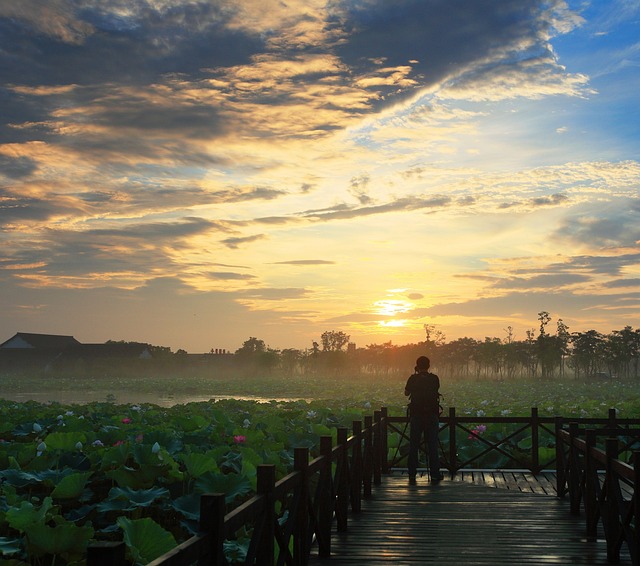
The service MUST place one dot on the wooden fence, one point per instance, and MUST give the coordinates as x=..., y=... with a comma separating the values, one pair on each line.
x=287, y=516
x=605, y=486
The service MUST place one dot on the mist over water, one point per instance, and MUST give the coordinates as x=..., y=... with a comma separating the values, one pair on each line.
x=162, y=400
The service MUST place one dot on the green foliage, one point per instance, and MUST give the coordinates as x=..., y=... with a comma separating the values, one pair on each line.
x=232, y=485
x=67, y=540
x=71, y=486
x=145, y=539
x=72, y=474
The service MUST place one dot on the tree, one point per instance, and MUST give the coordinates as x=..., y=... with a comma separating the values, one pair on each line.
x=564, y=338
x=549, y=348
x=290, y=360
x=254, y=355
x=587, y=347
x=334, y=341
x=250, y=347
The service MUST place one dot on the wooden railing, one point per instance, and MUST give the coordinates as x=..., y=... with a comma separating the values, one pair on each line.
x=539, y=430
x=452, y=425
x=285, y=516
x=606, y=487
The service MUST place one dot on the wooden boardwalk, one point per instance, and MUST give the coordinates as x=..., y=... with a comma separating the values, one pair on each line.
x=477, y=518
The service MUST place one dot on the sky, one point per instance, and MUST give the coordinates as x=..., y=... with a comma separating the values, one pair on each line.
x=193, y=173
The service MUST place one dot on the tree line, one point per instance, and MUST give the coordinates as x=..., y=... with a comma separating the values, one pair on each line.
x=542, y=354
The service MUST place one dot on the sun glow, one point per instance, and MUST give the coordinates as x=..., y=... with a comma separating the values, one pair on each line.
x=393, y=323
x=391, y=307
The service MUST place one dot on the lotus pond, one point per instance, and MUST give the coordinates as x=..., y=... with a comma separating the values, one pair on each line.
x=102, y=470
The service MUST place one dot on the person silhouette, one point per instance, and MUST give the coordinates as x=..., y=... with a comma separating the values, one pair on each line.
x=423, y=390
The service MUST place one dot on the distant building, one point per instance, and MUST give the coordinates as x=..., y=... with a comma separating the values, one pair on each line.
x=28, y=341
x=28, y=351
x=32, y=352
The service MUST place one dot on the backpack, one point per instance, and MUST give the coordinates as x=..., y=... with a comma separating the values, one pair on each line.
x=424, y=394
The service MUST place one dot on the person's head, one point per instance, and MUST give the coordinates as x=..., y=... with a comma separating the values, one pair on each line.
x=422, y=363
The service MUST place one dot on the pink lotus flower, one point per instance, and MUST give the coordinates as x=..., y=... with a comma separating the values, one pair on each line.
x=118, y=443
x=239, y=439
x=476, y=432
x=126, y=420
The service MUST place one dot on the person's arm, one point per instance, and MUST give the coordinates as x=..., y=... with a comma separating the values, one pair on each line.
x=407, y=390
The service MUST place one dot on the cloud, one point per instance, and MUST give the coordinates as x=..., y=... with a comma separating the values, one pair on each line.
x=545, y=281
x=56, y=19
x=585, y=310
x=16, y=167
x=623, y=283
x=446, y=43
x=236, y=242
x=305, y=262
x=343, y=212
x=273, y=294
x=229, y=276
x=597, y=228
x=122, y=256
x=549, y=200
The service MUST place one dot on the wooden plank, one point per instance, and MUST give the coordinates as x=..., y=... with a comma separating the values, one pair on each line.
x=548, y=482
x=456, y=522
x=533, y=483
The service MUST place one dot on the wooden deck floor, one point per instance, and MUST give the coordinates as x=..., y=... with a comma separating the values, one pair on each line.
x=475, y=519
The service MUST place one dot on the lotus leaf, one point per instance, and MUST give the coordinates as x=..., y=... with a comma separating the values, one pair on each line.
x=191, y=423
x=23, y=429
x=9, y=546
x=188, y=506
x=114, y=457
x=71, y=486
x=53, y=477
x=18, y=478
x=27, y=515
x=66, y=539
x=167, y=439
x=232, y=485
x=197, y=464
x=145, y=539
x=138, y=497
x=236, y=551
x=79, y=513
x=126, y=476
x=75, y=460
x=232, y=462
x=64, y=441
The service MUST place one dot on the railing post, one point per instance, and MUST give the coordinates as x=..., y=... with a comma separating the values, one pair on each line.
x=453, y=449
x=212, y=511
x=384, y=448
x=104, y=553
x=561, y=480
x=266, y=484
x=342, y=481
x=613, y=417
x=326, y=500
x=590, y=496
x=574, y=470
x=634, y=544
x=377, y=448
x=535, y=441
x=368, y=456
x=302, y=536
x=356, y=468
x=609, y=514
